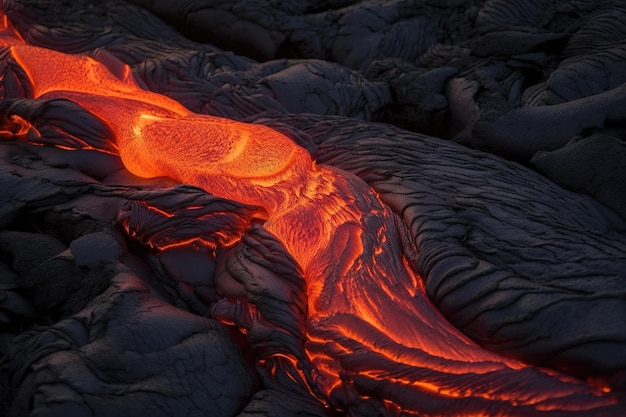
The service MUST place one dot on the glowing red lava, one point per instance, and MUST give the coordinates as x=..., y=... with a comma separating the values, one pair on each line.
x=372, y=332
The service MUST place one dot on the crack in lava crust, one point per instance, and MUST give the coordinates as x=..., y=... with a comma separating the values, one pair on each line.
x=371, y=330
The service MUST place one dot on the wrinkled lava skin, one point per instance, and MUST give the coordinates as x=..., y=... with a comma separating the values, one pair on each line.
x=365, y=299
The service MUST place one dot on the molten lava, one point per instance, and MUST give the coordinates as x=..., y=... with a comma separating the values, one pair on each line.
x=372, y=332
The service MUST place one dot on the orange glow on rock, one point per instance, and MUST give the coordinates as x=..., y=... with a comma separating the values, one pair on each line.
x=369, y=319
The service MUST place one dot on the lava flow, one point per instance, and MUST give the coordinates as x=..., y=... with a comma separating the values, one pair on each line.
x=372, y=334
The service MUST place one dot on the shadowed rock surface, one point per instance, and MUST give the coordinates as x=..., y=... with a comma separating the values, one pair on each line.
x=496, y=260
x=128, y=353
x=508, y=53
x=95, y=319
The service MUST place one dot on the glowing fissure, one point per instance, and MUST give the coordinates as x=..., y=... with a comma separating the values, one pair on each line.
x=364, y=299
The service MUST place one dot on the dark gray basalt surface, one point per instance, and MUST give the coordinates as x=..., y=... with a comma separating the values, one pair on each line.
x=96, y=321
x=506, y=255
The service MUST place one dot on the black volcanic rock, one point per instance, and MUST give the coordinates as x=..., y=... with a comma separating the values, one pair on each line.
x=505, y=254
x=128, y=353
x=595, y=165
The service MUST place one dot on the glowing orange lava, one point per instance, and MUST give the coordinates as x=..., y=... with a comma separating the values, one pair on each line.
x=371, y=329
